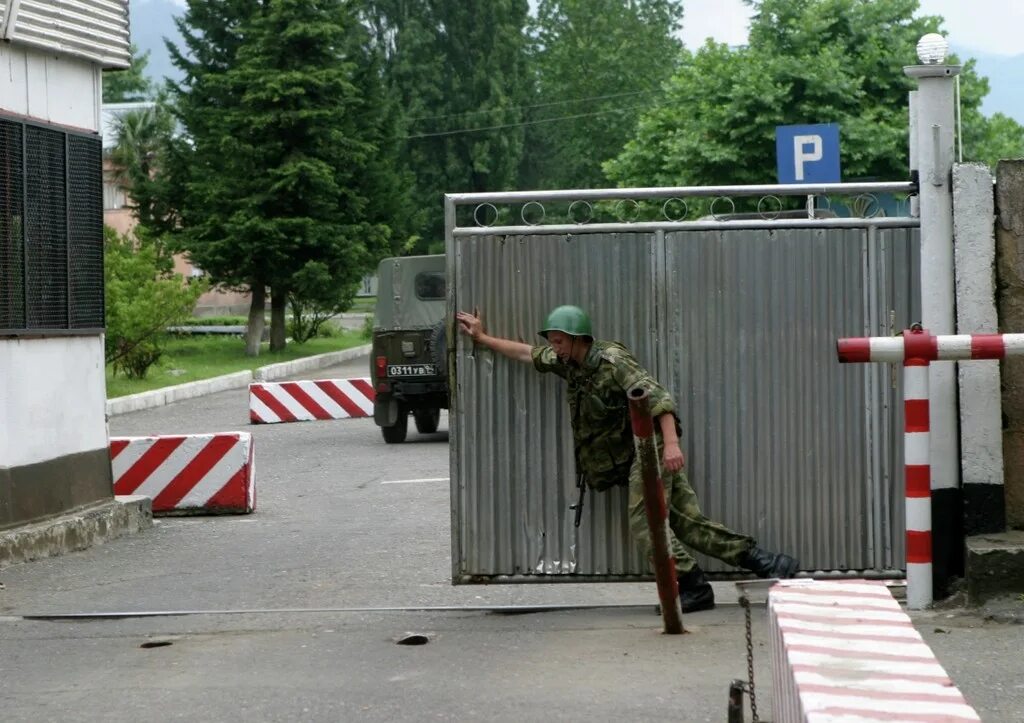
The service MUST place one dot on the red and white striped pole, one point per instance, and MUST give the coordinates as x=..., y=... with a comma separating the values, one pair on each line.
x=916, y=349
x=917, y=473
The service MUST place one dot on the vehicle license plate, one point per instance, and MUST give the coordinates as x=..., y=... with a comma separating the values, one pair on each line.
x=412, y=370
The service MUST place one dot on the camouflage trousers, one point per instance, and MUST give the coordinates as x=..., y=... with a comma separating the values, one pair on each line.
x=687, y=525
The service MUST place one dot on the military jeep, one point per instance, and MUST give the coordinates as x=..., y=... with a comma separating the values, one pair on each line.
x=407, y=363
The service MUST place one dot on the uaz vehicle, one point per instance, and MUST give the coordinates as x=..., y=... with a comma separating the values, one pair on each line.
x=408, y=363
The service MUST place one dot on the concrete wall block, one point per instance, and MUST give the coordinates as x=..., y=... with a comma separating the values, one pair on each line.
x=981, y=442
x=974, y=248
x=995, y=566
x=1010, y=303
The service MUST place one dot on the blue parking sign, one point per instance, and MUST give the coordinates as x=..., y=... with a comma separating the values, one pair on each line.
x=808, y=153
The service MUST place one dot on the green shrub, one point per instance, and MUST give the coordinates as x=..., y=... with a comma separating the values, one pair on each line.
x=215, y=321
x=315, y=297
x=141, y=302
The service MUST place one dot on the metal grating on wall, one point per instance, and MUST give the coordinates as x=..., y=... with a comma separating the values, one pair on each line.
x=12, y=194
x=51, y=230
x=46, y=252
x=741, y=327
x=85, y=232
x=94, y=29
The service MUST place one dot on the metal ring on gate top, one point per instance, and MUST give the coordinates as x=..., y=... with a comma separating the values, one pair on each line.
x=680, y=217
x=620, y=206
x=732, y=205
x=769, y=215
x=867, y=199
x=590, y=211
x=476, y=216
x=538, y=204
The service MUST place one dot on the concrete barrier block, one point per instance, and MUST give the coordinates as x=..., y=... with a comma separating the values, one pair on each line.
x=277, y=402
x=846, y=650
x=187, y=474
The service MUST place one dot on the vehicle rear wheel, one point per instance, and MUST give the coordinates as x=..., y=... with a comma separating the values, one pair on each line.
x=427, y=420
x=396, y=433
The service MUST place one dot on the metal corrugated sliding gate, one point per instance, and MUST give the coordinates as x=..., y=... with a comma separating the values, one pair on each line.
x=738, y=316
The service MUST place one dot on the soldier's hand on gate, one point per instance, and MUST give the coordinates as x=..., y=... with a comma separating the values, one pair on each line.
x=470, y=324
x=673, y=459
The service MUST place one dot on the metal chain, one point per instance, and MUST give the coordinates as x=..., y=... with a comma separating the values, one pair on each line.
x=750, y=659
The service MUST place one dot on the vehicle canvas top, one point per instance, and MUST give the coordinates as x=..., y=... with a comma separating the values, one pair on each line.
x=411, y=292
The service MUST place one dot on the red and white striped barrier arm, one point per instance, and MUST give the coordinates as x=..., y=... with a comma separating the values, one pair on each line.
x=922, y=345
x=194, y=473
x=845, y=651
x=276, y=402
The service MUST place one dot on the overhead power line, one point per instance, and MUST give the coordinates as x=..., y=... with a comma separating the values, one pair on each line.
x=530, y=107
x=522, y=123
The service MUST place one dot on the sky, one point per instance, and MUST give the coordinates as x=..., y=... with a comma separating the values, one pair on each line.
x=993, y=26
x=989, y=30
x=990, y=25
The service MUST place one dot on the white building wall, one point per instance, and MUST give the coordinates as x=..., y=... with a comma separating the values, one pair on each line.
x=44, y=86
x=52, y=398
x=52, y=390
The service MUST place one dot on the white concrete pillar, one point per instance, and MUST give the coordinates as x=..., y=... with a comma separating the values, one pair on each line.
x=934, y=106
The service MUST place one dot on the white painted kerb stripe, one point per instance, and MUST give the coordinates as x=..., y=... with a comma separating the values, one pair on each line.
x=414, y=481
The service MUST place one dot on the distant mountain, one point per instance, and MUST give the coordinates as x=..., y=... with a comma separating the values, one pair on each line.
x=1005, y=80
x=152, y=21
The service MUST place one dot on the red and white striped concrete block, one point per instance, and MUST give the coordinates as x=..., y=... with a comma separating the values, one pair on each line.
x=846, y=651
x=304, y=401
x=191, y=473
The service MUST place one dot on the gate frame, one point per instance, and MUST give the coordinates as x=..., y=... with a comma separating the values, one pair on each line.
x=453, y=231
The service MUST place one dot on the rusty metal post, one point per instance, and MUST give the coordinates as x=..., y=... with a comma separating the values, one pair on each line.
x=735, y=710
x=657, y=510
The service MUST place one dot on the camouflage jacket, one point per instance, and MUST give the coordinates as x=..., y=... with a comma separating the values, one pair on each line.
x=602, y=435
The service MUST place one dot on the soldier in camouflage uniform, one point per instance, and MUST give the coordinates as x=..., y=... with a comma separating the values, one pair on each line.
x=599, y=374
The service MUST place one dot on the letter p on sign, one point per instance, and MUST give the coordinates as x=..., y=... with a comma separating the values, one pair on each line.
x=806, y=149
x=808, y=153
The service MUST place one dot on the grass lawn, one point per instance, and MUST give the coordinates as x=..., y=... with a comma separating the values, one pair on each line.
x=191, y=358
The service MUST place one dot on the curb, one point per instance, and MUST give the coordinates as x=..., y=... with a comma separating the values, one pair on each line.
x=123, y=515
x=238, y=380
x=286, y=369
x=177, y=393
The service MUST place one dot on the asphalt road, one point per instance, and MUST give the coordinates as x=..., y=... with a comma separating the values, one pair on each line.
x=305, y=599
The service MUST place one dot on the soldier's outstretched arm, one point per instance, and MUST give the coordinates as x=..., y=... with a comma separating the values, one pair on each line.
x=473, y=327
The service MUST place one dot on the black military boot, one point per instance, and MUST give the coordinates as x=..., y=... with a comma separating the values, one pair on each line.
x=695, y=593
x=769, y=564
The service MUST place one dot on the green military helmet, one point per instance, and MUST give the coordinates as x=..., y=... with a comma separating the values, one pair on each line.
x=571, y=320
